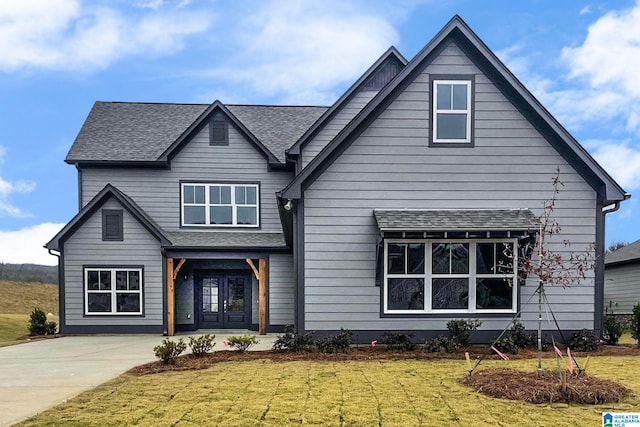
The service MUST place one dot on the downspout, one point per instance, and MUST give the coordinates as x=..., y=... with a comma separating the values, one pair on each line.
x=61, y=308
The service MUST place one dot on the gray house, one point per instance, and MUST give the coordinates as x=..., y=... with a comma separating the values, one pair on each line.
x=389, y=210
x=622, y=280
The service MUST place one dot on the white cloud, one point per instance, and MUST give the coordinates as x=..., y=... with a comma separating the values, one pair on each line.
x=620, y=159
x=300, y=51
x=8, y=188
x=585, y=10
x=71, y=35
x=26, y=245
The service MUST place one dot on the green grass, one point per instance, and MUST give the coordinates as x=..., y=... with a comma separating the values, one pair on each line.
x=352, y=393
x=17, y=300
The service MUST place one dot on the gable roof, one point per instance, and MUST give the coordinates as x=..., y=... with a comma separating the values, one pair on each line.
x=392, y=54
x=92, y=207
x=456, y=29
x=137, y=132
x=624, y=255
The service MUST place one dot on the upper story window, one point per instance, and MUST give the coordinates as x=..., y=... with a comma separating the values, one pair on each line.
x=455, y=276
x=112, y=227
x=218, y=130
x=452, y=111
x=220, y=205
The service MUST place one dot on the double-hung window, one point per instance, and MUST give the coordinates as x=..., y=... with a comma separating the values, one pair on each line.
x=450, y=276
x=109, y=291
x=452, y=111
x=220, y=205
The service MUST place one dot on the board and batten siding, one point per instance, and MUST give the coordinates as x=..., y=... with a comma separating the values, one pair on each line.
x=622, y=288
x=312, y=147
x=139, y=248
x=157, y=191
x=391, y=166
x=282, y=283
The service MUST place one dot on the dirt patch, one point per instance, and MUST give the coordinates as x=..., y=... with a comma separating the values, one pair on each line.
x=189, y=362
x=519, y=385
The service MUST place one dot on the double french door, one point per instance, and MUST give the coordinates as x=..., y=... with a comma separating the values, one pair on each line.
x=224, y=300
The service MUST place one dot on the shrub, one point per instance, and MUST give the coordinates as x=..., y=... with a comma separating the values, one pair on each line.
x=612, y=329
x=169, y=351
x=242, y=343
x=521, y=338
x=398, y=341
x=340, y=343
x=38, y=324
x=461, y=330
x=635, y=324
x=201, y=345
x=441, y=345
x=506, y=345
x=290, y=341
x=583, y=340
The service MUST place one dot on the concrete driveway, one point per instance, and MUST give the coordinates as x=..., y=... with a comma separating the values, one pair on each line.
x=37, y=375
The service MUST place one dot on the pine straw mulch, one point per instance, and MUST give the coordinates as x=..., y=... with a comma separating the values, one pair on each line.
x=511, y=384
x=362, y=352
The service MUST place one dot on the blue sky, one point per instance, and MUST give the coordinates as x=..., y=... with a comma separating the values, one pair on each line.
x=57, y=57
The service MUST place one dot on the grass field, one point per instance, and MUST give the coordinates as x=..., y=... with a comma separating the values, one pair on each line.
x=17, y=300
x=351, y=393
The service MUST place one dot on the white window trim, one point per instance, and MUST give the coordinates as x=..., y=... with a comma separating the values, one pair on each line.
x=436, y=111
x=207, y=205
x=472, y=276
x=113, y=292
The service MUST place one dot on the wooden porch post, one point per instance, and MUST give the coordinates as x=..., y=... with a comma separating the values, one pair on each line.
x=260, y=274
x=170, y=298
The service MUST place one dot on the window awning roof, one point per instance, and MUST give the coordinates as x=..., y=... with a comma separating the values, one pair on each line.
x=456, y=220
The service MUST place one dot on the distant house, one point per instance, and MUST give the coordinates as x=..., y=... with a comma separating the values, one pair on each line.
x=622, y=279
x=388, y=211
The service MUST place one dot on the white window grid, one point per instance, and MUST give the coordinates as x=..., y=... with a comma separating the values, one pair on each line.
x=208, y=204
x=436, y=111
x=112, y=291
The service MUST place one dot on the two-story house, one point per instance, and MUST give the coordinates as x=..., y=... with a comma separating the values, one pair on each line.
x=390, y=210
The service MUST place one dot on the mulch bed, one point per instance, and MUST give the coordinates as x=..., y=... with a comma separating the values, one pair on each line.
x=519, y=385
x=362, y=352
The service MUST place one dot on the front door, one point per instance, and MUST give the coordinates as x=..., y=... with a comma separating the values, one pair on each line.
x=224, y=300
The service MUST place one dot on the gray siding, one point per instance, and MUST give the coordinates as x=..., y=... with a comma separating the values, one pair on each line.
x=337, y=123
x=622, y=288
x=85, y=247
x=158, y=191
x=281, y=289
x=390, y=165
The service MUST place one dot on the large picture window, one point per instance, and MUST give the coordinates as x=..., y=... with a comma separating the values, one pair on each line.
x=459, y=276
x=451, y=111
x=220, y=205
x=109, y=291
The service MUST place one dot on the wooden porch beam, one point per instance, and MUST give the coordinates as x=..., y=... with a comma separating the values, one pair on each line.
x=178, y=267
x=261, y=273
x=170, y=298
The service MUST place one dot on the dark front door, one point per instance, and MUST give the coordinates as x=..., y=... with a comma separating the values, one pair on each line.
x=225, y=300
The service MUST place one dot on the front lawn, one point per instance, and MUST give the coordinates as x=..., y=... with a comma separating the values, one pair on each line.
x=355, y=393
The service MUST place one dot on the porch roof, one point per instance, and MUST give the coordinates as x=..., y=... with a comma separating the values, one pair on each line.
x=455, y=220
x=225, y=239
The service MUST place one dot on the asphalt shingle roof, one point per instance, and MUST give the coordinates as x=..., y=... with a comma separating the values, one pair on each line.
x=627, y=253
x=222, y=239
x=458, y=220
x=134, y=131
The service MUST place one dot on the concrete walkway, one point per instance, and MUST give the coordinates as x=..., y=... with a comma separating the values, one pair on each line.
x=37, y=375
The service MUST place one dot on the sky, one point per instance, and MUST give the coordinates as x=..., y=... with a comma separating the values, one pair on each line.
x=57, y=57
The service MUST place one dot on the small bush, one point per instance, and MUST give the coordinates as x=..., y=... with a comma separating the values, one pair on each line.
x=242, y=343
x=340, y=343
x=398, y=341
x=201, y=345
x=461, y=330
x=441, y=345
x=612, y=329
x=583, y=340
x=635, y=324
x=506, y=345
x=290, y=341
x=169, y=351
x=521, y=338
x=38, y=324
